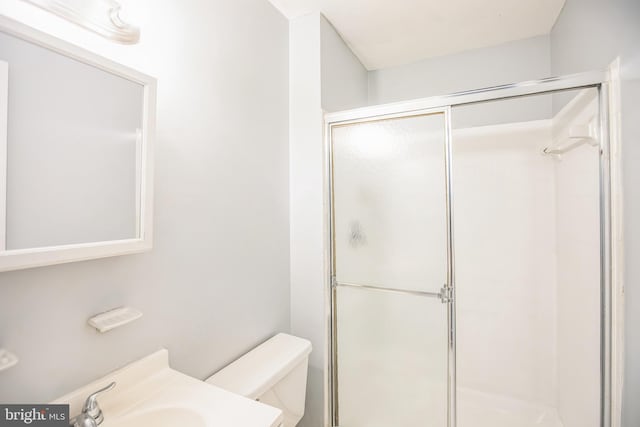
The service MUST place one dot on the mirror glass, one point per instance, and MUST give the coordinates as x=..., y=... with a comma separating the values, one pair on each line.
x=73, y=149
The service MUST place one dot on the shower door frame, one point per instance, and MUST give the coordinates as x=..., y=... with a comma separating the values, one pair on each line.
x=601, y=80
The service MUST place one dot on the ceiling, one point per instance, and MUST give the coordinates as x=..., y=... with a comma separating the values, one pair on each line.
x=386, y=33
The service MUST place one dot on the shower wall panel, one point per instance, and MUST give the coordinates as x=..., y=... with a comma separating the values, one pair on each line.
x=504, y=217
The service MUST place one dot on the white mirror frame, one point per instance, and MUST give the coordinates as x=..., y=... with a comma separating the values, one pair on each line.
x=36, y=257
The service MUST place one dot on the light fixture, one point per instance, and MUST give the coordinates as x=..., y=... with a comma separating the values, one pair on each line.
x=99, y=16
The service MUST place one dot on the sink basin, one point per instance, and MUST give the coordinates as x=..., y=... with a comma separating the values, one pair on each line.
x=148, y=393
x=165, y=417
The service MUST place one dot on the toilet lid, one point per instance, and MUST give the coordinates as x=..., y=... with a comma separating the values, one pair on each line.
x=261, y=368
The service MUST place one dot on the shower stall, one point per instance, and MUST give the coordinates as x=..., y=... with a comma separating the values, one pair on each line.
x=469, y=259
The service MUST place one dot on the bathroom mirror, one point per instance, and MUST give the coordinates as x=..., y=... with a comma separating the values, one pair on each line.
x=75, y=152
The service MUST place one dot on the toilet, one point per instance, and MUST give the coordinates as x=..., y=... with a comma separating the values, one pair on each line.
x=274, y=373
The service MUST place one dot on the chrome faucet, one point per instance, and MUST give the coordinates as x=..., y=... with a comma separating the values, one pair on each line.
x=91, y=415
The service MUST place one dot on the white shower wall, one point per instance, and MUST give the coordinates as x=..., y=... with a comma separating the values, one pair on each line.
x=528, y=270
x=504, y=218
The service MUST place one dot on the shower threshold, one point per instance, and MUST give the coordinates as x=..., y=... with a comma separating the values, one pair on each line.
x=481, y=409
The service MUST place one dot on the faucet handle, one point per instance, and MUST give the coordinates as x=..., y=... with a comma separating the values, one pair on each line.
x=91, y=406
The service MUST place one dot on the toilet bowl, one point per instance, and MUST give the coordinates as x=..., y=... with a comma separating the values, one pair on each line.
x=274, y=373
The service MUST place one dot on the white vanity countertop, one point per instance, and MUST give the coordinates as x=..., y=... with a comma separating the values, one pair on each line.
x=149, y=391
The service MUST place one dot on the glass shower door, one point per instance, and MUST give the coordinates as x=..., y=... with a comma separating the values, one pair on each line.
x=392, y=341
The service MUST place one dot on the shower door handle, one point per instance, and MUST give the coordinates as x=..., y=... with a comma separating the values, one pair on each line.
x=445, y=295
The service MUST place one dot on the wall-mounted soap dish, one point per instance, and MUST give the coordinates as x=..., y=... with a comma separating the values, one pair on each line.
x=7, y=359
x=115, y=318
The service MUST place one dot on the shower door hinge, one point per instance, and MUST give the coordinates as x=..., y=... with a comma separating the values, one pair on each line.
x=446, y=294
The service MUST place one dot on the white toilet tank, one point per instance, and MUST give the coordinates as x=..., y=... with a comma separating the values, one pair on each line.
x=275, y=373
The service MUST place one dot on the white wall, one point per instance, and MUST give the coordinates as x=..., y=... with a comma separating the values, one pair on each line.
x=324, y=75
x=217, y=280
x=588, y=35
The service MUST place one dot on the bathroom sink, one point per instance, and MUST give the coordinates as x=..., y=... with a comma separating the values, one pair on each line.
x=165, y=417
x=148, y=393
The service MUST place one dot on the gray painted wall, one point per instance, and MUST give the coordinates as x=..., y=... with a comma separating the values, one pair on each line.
x=217, y=281
x=344, y=79
x=306, y=203
x=506, y=63
x=588, y=35
x=325, y=74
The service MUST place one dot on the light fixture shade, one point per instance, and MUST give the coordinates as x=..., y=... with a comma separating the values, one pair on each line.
x=99, y=16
